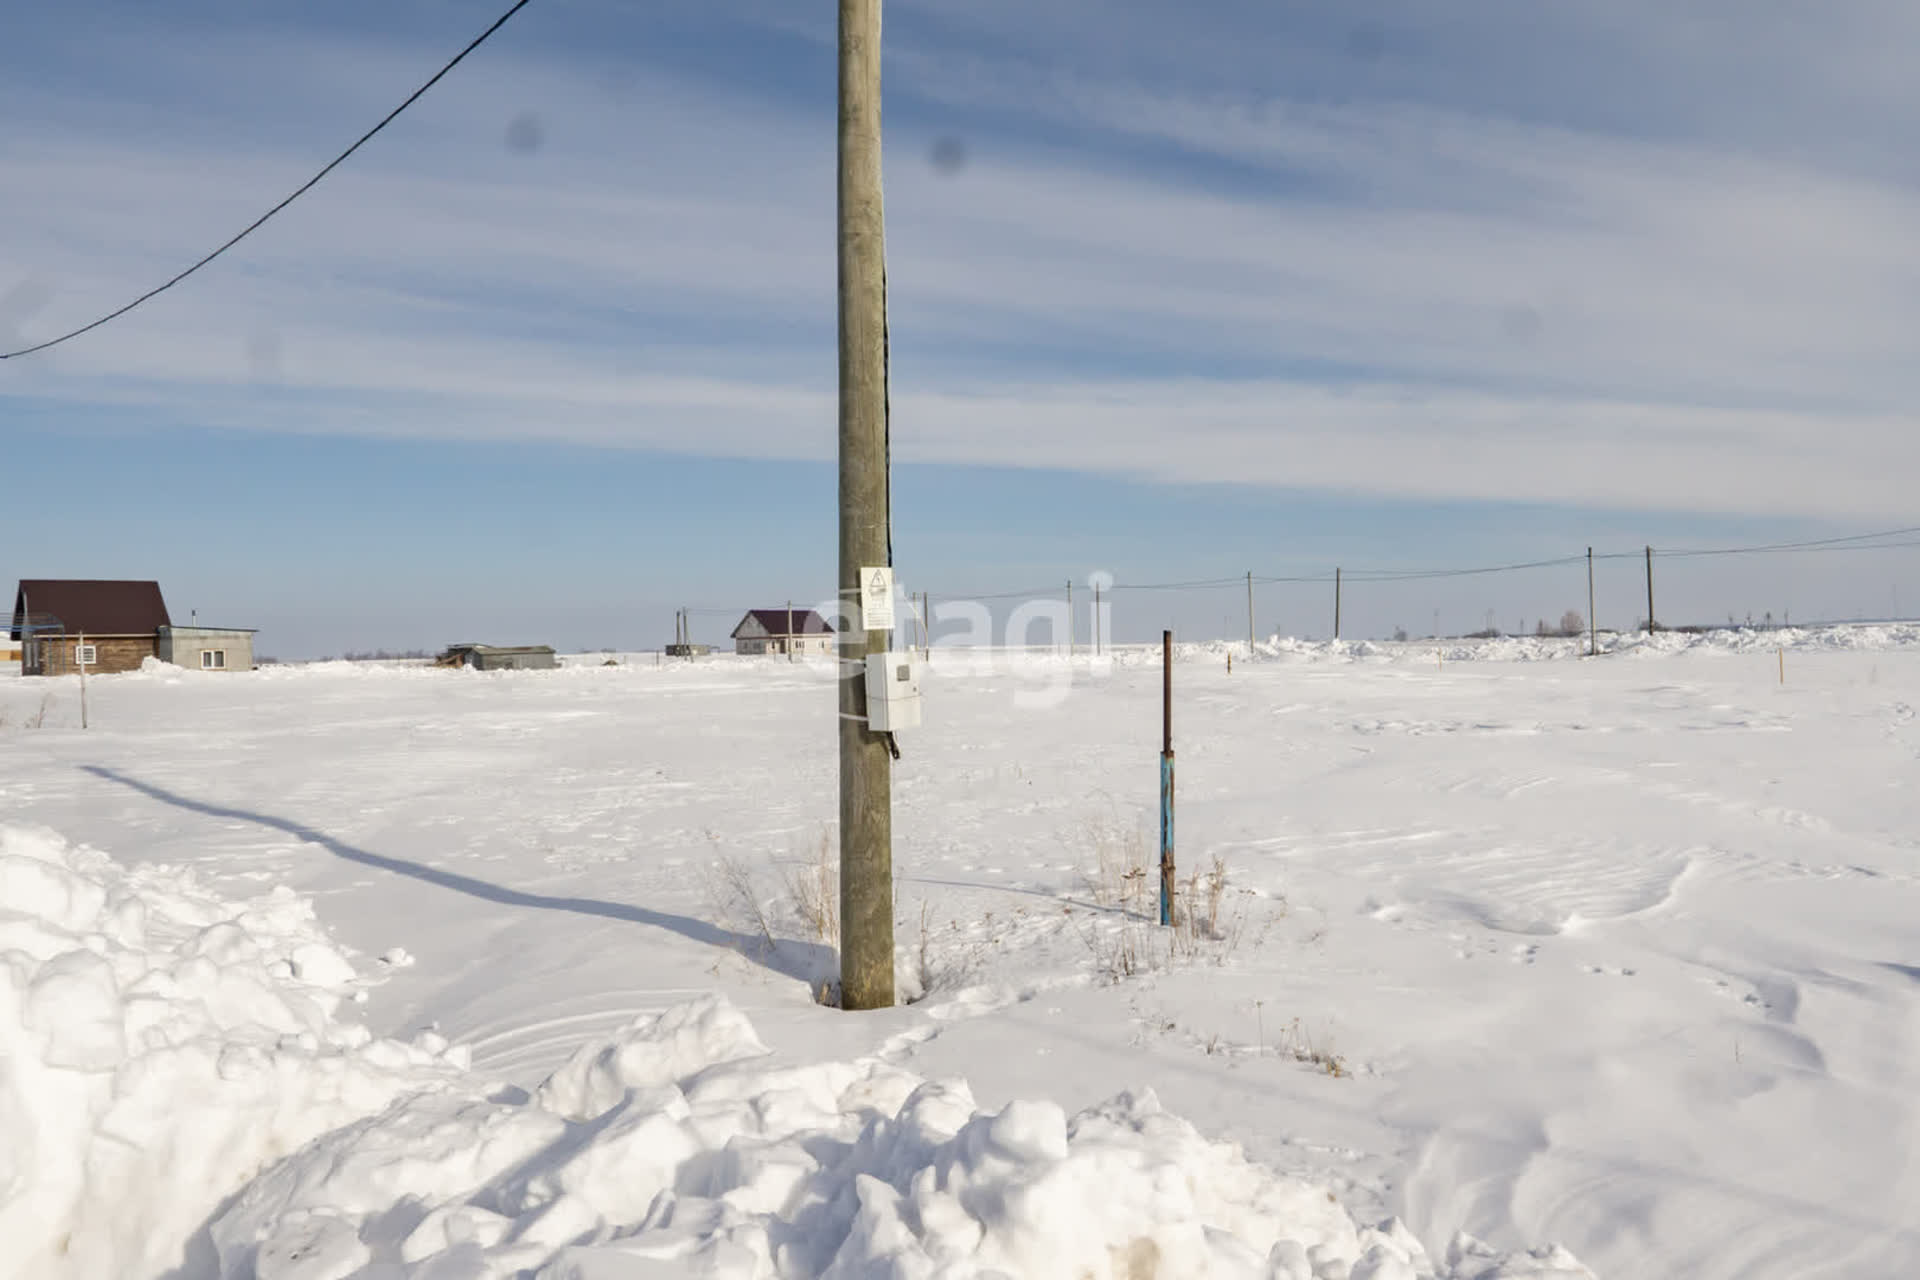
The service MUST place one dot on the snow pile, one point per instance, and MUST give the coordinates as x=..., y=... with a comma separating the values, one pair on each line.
x=1518, y=648
x=158, y=1046
x=181, y=1095
x=1866, y=636
x=679, y=1149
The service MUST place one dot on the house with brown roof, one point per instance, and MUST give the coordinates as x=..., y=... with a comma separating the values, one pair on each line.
x=791, y=631
x=65, y=624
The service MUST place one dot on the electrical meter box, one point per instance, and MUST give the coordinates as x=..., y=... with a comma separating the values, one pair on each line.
x=893, y=692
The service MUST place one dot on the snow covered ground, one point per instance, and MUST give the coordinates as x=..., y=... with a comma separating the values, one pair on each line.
x=316, y=970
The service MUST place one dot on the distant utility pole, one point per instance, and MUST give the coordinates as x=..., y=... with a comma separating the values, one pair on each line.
x=789, y=631
x=1336, y=604
x=1651, y=627
x=1249, y=613
x=866, y=770
x=1069, y=619
x=1593, y=625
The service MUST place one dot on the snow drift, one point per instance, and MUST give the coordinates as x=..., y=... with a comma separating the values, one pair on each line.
x=182, y=1093
x=159, y=1045
x=678, y=1149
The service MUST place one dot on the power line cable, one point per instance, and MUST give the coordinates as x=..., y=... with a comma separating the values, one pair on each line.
x=1038, y=593
x=1195, y=585
x=1817, y=544
x=304, y=187
x=1886, y=539
x=1417, y=575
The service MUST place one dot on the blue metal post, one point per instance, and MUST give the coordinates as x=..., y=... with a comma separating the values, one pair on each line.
x=1166, y=779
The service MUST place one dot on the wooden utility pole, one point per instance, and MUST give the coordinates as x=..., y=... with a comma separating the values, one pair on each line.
x=81, y=654
x=1249, y=613
x=789, y=631
x=866, y=771
x=1651, y=628
x=1593, y=626
x=1336, y=604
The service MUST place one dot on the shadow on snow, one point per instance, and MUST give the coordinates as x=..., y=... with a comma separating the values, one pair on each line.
x=809, y=962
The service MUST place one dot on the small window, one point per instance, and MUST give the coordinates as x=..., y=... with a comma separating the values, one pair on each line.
x=85, y=656
x=213, y=659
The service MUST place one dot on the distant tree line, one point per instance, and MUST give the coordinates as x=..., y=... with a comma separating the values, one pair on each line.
x=1572, y=623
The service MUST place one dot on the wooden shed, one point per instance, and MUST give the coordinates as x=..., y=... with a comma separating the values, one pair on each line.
x=105, y=625
x=498, y=657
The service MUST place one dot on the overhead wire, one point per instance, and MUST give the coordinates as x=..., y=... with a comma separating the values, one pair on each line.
x=299, y=191
x=1416, y=575
x=1848, y=543
x=1886, y=539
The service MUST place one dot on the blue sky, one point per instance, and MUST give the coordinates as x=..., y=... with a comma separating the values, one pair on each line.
x=1216, y=287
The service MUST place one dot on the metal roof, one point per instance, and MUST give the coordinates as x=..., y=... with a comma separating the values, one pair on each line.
x=500, y=648
x=806, y=622
x=96, y=606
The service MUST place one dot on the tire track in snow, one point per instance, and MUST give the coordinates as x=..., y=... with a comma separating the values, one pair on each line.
x=518, y=1048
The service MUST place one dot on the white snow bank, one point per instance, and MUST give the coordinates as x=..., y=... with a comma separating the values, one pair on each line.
x=1865, y=636
x=679, y=1149
x=1880, y=636
x=158, y=1046
x=181, y=1095
x=1517, y=648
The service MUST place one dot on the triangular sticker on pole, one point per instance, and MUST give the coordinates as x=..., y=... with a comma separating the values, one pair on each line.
x=876, y=598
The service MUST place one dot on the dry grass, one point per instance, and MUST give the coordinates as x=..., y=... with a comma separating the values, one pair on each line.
x=812, y=891
x=813, y=886
x=1296, y=1042
x=1117, y=875
x=942, y=958
x=1118, y=953
x=1209, y=921
x=736, y=898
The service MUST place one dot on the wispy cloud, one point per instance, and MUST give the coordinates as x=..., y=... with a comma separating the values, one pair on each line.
x=1383, y=292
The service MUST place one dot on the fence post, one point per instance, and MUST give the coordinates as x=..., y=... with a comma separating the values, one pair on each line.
x=1166, y=778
